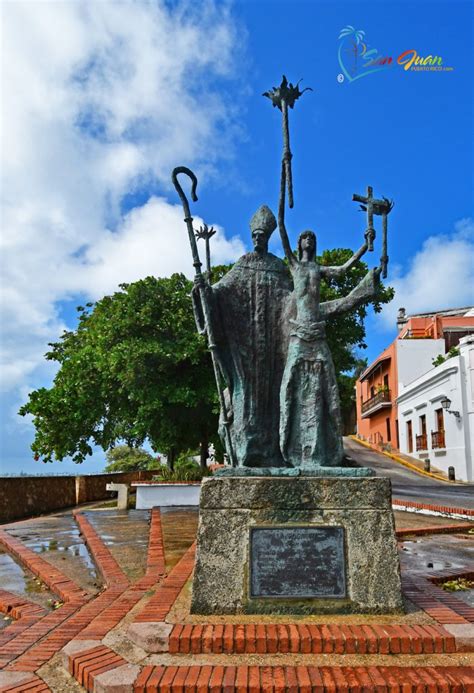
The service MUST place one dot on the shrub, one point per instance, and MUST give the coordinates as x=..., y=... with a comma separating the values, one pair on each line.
x=185, y=469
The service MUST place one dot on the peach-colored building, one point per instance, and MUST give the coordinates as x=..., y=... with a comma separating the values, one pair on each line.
x=421, y=339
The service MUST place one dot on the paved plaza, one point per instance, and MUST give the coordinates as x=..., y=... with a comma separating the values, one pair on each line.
x=98, y=599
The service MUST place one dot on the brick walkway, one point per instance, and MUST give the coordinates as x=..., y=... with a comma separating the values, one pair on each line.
x=225, y=656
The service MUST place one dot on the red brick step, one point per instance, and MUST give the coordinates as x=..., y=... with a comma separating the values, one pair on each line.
x=311, y=638
x=304, y=679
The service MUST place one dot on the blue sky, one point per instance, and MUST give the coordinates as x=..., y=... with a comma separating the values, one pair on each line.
x=116, y=94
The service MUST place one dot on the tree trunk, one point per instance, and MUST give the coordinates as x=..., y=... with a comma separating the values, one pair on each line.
x=204, y=452
x=171, y=458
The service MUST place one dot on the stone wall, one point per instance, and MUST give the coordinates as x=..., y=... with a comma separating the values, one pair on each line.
x=26, y=496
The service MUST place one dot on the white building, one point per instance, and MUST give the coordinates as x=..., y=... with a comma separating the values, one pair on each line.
x=441, y=431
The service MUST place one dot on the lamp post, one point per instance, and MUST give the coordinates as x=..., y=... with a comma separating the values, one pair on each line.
x=446, y=403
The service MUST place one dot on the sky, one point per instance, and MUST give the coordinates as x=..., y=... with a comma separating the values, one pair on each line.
x=101, y=100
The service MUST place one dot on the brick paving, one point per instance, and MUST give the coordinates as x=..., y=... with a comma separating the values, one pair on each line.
x=59, y=583
x=159, y=606
x=156, y=553
x=37, y=635
x=108, y=566
x=25, y=612
x=32, y=684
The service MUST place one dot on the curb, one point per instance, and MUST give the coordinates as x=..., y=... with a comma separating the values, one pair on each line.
x=413, y=467
x=434, y=510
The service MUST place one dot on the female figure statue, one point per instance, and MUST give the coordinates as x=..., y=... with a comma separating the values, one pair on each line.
x=310, y=416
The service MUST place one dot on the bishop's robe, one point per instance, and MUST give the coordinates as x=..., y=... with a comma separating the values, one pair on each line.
x=247, y=308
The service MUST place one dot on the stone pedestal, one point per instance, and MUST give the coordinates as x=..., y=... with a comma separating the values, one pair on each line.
x=296, y=545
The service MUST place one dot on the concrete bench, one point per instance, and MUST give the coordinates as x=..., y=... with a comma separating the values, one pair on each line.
x=122, y=490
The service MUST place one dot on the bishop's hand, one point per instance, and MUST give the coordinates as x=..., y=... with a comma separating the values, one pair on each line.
x=199, y=281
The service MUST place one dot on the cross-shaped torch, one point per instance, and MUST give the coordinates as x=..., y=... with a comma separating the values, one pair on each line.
x=381, y=208
x=206, y=233
x=283, y=96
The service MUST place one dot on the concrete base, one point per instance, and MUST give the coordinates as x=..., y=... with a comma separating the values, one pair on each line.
x=294, y=471
x=74, y=647
x=152, y=636
x=9, y=679
x=464, y=634
x=118, y=680
x=230, y=507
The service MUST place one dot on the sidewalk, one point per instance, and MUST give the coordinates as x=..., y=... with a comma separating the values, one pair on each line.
x=412, y=463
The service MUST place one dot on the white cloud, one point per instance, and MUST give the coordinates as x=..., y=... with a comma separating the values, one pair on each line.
x=100, y=98
x=440, y=275
x=152, y=240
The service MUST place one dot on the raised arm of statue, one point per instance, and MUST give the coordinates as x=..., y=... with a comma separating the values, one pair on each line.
x=281, y=221
x=365, y=290
x=339, y=270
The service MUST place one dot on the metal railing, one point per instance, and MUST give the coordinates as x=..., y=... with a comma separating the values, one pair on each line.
x=437, y=439
x=380, y=398
x=421, y=442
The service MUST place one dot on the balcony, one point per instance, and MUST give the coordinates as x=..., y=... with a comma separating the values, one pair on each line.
x=379, y=401
x=421, y=442
x=437, y=440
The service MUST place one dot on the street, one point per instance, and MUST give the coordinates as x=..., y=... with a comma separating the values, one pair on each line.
x=408, y=485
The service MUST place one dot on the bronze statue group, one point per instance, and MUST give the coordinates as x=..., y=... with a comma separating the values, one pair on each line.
x=266, y=329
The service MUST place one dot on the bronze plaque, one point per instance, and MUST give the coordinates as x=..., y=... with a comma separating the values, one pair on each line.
x=297, y=562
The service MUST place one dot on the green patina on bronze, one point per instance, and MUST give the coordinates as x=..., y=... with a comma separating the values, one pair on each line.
x=266, y=330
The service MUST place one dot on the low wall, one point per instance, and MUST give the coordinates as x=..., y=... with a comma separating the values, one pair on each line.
x=26, y=496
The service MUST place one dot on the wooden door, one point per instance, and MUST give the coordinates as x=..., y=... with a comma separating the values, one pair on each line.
x=410, y=436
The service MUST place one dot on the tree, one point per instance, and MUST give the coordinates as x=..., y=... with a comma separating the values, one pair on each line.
x=126, y=459
x=136, y=369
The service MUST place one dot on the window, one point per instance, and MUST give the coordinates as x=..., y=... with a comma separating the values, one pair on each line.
x=409, y=436
x=439, y=417
x=389, y=434
x=423, y=424
x=437, y=437
x=421, y=441
x=385, y=382
x=397, y=434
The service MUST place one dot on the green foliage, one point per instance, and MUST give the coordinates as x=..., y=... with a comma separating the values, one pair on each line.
x=135, y=368
x=454, y=351
x=438, y=360
x=123, y=458
x=185, y=469
x=458, y=584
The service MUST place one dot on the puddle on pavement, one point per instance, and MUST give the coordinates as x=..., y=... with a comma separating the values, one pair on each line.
x=466, y=596
x=4, y=621
x=58, y=540
x=179, y=526
x=437, y=552
x=14, y=578
x=125, y=533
